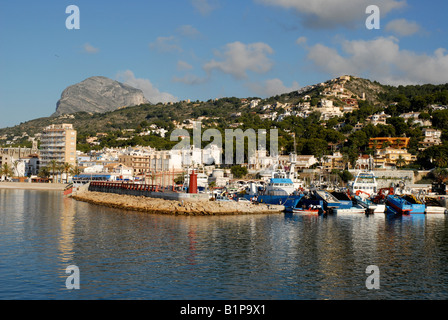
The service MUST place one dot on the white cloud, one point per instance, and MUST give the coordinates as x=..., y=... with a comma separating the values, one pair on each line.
x=272, y=87
x=301, y=40
x=151, y=93
x=382, y=59
x=205, y=7
x=188, y=31
x=190, y=79
x=403, y=27
x=331, y=13
x=182, y=65
x=237, y=58
x=166, y=44
x=88, y=48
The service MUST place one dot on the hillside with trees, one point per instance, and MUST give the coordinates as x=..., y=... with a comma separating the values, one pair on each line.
x=348, y=133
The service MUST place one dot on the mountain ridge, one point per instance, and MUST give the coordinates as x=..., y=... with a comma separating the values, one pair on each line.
x=375, y=94
x=98, y=94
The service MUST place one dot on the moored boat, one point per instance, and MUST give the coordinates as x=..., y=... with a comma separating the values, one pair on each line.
x=417, y=207
x=434, y=206
x=345, y=201
x=330, y=201
x=368, y=205
x=365, y=182
x=399, y=205
x=279, y=191
x=309, y=206
x=353, y=210
x=310, y=211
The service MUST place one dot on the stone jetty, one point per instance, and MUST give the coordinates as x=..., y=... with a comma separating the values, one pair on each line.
x=173, y=207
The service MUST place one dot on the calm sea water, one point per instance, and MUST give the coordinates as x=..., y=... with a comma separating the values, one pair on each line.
x=128, y=255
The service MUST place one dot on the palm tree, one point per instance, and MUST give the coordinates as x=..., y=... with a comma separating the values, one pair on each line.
x=75, y=170
x=441, y=161
x=6, y=171
x=44, y=172
x=66, y=167
x=54, y=168
x=15, y=165
x=400, y=161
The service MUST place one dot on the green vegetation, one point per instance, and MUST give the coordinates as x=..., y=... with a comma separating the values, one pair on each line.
x=125, y=127
x=238, y=171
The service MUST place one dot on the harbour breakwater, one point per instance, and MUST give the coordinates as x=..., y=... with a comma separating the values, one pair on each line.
x=173, y=207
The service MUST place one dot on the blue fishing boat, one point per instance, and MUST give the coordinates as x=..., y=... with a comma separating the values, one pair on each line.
x=316, y=201
x=330, y=201
x=278, y=191
x=345, y=201
x=404, y=207
x=369, y=205
x=418, y=207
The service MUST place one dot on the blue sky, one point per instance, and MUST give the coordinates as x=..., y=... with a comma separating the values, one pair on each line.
x=206, y=49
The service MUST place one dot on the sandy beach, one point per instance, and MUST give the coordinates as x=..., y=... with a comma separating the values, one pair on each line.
x=32, y=186
x=171, y=207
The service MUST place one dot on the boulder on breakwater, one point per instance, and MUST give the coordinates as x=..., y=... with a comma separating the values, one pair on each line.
x=172, y=207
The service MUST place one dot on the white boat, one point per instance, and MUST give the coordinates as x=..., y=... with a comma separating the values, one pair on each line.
x=352, y=210
x=435, y=210
x=380, y=208
x=363, y=188
x=364, y=185
x=433, y=206
x=291, y=174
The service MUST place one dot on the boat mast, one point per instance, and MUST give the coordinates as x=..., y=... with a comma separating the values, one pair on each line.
x=293, y=160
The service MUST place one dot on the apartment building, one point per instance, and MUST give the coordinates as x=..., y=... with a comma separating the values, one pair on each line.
x=391, y=157
x=58, y=142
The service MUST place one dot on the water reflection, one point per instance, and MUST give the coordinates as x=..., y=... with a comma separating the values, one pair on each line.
x=66, y=237
x=129, y=255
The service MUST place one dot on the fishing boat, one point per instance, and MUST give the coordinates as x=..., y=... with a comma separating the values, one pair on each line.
x=309, y=211
x=281, y=189
x=417, y=206
x=330, y=201
x=368, y=205
x=353, y=210
x=433, y=205
x=347, y=205
x=380, y=197
x=68, y=190
x=399, y=205
x=309, y=206
x=365, y=182
x=345, y=201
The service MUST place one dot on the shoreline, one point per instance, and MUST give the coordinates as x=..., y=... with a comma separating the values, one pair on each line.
x=173, y=207
x=32, y=186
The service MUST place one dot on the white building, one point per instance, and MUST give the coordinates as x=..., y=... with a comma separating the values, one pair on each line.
x=305, y=161
x=58, y=142
x=254, y=103
x=259, y=160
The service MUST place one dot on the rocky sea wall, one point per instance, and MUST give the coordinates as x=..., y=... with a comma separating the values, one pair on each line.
x=172, y=207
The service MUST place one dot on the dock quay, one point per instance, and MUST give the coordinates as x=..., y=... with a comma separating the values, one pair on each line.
x=152, y=191
x=149, y=199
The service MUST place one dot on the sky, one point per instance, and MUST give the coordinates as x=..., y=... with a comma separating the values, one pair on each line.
x=206, y=49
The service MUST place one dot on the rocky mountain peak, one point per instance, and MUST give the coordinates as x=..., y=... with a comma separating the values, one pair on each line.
x=98, y=95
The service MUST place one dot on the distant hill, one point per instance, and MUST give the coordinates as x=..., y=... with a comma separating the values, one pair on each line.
x=98, y=95
x=110, y=116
